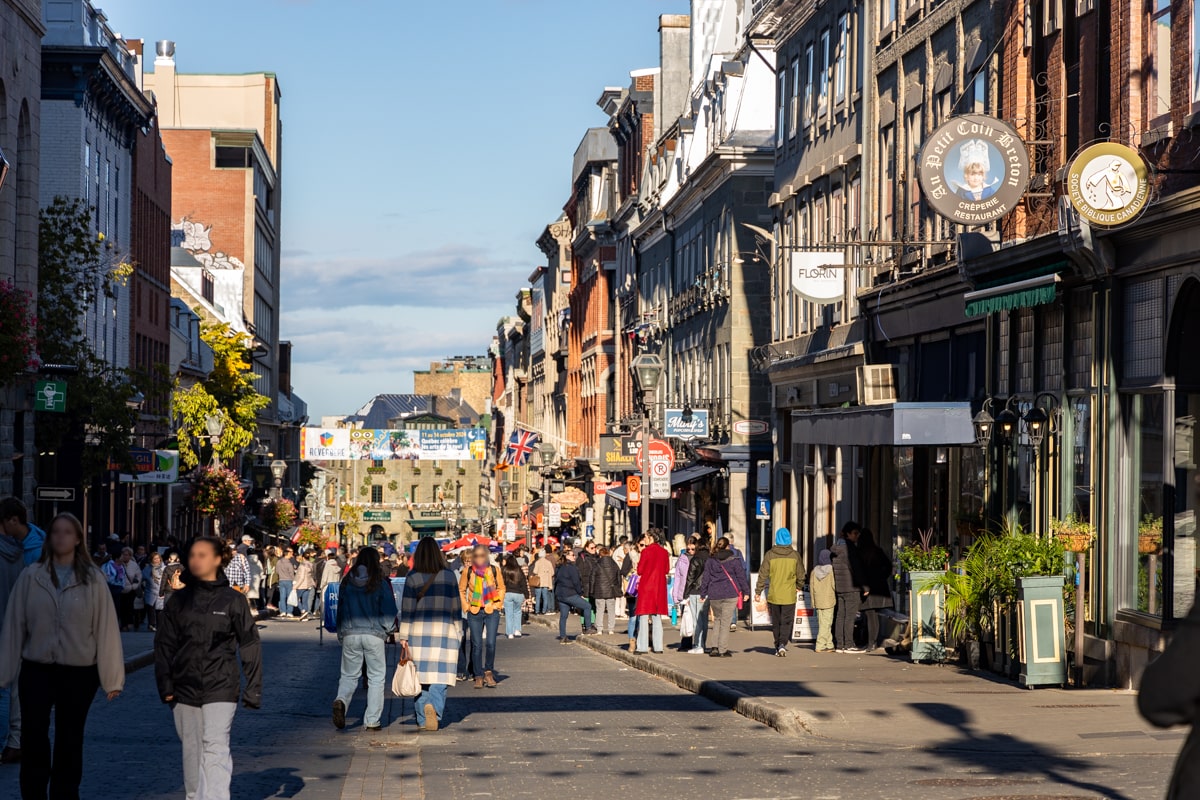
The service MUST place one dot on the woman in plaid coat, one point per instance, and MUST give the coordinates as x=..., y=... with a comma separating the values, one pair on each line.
x=431, y=629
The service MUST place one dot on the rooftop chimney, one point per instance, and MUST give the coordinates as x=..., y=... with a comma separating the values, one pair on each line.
x=164, y=82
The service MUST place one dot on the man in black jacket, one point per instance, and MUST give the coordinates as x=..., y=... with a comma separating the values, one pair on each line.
x=1170, y=695
x=201, y=632
x=691, y=594
x=848, y=579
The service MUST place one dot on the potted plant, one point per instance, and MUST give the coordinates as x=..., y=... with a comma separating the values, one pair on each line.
x=970, y=589
x=279, y=515
x=1075, y=534
x=1150, y=533
x=925, y=564
x=18, y=344
x=218, y=494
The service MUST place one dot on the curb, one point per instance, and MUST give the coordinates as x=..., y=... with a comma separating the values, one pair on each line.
x=784, y=720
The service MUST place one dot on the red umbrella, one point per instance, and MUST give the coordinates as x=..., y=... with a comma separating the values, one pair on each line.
x=469, y=541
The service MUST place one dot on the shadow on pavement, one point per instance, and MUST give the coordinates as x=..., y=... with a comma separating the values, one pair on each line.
x=281, y=781
x=1037, y=761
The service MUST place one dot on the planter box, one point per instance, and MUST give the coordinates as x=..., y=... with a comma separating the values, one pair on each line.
x=1042, y=637
x=927, y=612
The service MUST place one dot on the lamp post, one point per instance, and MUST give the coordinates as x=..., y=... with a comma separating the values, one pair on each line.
x=505, y=487
x=341, y=529
x=546, y=452
x=215, y=426
x=278, y=468
x=647, y=370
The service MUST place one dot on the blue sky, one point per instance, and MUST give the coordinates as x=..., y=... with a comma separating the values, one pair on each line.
x=426, y=146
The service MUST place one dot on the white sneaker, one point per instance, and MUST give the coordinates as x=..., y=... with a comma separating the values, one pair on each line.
x=517, y=634
x=696, y=651
x=510, y=636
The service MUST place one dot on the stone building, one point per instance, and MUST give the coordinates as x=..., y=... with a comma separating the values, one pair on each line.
x=21, y=30
x=468, y=377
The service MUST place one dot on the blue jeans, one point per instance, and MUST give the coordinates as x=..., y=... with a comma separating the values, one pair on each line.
x=564, y=611
x=512, y=612
x=285, y=588
x=630, y=608
x=358, y=648
x=306, y=597
x=700, y=610
x=435, y=695
x=544, y=600
x=483, y=651
x=655, y=636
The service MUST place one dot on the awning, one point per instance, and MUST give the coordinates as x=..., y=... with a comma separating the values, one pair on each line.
x=897, y=424
x=615, y=497
x=693, y=473
x=1008, y=296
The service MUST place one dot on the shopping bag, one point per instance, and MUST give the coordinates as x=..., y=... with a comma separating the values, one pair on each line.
x=293, y=599
x=405, y=682
x=687, y=621
x=631, y=584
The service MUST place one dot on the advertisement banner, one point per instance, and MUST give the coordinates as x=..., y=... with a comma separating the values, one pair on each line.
x=804, y=626
x=153, y=466
x=364, y=444
x=692, y=425
x=618, y=454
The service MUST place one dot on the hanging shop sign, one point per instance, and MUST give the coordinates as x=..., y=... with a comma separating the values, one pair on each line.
x=685, y=424
x=365, y=444
x=973, y=169
x=1108, y=184
x=618, y=454
x=819, y=276
x=151, y=466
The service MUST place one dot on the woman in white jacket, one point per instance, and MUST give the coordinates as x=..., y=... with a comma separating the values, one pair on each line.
x=60, y=634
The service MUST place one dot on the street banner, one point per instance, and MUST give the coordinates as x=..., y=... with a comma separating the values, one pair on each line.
x=152, y=466
x=364, y=444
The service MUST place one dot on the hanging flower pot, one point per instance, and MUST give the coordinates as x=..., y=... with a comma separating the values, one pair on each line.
x=218, y=492
x=18, y=346
x=1075, y=534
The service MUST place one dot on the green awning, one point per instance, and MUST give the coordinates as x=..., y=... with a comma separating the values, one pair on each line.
x=1010, y=296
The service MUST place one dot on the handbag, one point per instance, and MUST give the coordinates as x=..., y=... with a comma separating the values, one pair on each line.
x=293, y=598
x=405, y=682
x=687, y=622
x=631, y=584
x=735, y=586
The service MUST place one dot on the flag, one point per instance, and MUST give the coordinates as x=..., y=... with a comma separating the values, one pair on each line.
x=520, y=448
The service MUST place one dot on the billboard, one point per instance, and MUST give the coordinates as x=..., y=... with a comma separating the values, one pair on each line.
x=365, y=444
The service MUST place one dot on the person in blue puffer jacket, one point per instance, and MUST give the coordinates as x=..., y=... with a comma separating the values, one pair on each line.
x=366, y=614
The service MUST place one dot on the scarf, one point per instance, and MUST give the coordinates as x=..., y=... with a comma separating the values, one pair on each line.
x=482, y=592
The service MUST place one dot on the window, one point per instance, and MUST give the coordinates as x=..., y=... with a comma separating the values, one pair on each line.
x=207, y=286
x=979, y=92
x=794, y=110
x=887, y=150
x=809, y=67
x=843, y=56
x=414, y=493
x=376, y=493
x=887, y=14
x=87, y=172
x=1196, y=51
x=823, y=85
x=912, y=137
x=1159, y=46
x=943, y=106
x=781, y=121
x=232, y=157
x=377, y=462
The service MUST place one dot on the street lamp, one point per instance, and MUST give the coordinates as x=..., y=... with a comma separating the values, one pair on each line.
x=278, y=468
x=1036, y=420
x=984, y=425
x=215, y=426
x=504, y=486
x=547, y=453
x=646, y=370
x=1007, y=421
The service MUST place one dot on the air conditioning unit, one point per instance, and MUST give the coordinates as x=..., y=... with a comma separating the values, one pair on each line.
x=877, y=384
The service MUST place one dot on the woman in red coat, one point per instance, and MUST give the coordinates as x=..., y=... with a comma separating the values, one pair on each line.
x=652, y=594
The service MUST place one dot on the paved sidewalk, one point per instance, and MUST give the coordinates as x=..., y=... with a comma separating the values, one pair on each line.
x=875, y=699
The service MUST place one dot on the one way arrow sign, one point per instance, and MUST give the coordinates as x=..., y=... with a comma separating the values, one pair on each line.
x=56, y=493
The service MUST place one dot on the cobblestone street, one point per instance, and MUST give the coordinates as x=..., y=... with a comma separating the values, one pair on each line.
x=568, y=722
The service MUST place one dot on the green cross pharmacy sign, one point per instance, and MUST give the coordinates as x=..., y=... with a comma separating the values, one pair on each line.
x=50, y=396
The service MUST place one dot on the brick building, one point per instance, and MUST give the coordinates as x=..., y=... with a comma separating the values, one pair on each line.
x=21, y=31
x=223, y=134
x=468, y=376
x=591, y=389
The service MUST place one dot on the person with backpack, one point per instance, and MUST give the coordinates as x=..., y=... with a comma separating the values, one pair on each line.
x=723, y=587
x=481, y=590
x=366, y=614
x=781, y=575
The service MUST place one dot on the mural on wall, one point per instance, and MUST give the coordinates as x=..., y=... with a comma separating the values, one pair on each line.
x=197, y=240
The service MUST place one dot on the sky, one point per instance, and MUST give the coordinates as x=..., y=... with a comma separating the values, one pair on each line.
x=425, y=148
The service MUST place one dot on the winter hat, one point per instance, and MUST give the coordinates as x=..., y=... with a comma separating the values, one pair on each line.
x=783, y=538
x=824, y=559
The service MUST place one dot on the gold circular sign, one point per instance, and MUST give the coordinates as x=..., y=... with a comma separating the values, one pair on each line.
x=1108, y=184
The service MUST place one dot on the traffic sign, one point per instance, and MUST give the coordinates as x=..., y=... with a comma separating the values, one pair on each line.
x=510, y=530
x=633, y=491
x=554, y=515
x=57, y=494
x=660, y=478
x=762, y=507
x=659, y=448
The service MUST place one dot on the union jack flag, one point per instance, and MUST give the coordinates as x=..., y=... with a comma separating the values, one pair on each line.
x=520, y=448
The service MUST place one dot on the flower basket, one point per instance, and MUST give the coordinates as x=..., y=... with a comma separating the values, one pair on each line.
x=279, y=515
x=1075, y=534
x=218, y=492
x=18, y=345
x=1149, y=543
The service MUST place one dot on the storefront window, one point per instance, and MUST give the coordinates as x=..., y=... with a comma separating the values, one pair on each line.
x=902, y=494
x=1187, y=500
x=1146, y=431
x=1081, y=455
